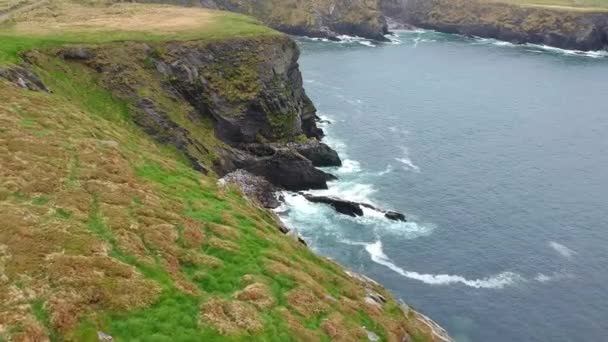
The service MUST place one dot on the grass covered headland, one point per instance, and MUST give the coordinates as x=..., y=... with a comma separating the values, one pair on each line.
x=107, y=232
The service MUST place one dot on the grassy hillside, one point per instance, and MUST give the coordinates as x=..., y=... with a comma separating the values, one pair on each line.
x=104, y=231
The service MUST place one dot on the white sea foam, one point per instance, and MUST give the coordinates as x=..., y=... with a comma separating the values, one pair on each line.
x=495, y=282
x=544, y=278
x=389, y=169
x=349, y=166
x=562, y=250
x=537, y=48
x=354, y=39
x=406, y=161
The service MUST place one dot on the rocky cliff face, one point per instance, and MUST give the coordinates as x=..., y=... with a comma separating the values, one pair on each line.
x=563, y=28
x=247, y=107
x=325, y=18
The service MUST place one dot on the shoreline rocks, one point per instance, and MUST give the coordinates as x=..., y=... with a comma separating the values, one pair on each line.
x=351, y=208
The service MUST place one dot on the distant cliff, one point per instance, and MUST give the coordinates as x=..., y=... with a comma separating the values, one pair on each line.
x=314, y=18
x=563, y=27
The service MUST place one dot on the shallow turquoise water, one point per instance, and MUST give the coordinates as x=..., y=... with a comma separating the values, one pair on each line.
x=498, y=154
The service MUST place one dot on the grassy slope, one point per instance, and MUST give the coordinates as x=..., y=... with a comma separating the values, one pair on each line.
x=101, y=229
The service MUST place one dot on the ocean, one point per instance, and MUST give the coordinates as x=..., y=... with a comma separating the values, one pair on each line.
x=497, y=154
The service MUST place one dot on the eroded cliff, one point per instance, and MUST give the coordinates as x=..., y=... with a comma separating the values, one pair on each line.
x=325, y=18
x=113, y=225
x=558, y=26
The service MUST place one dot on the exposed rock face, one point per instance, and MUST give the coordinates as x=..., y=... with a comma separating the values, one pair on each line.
x=318, y=153
x=254, y=187
x=563, y=28
x=246, y=93
x=314, y=18
x=23, y=78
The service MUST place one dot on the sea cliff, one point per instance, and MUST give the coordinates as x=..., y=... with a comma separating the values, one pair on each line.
x=325, y=19
x=115, y=125
x=559, y=26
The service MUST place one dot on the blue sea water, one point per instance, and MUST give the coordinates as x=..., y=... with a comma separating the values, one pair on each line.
x=498, y=155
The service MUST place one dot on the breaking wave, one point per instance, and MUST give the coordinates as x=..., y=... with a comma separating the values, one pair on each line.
x=495, y=282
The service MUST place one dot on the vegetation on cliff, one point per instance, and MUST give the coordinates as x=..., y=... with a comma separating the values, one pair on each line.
x=316, y=18
x=107, y=230
x=550, y=22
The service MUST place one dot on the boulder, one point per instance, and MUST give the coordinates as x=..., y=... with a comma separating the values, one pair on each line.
x=342, y=206
x=289, y=170
x=395, y=216
x=318, y=153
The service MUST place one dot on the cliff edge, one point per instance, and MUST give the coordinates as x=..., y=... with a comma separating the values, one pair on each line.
x=115, y=123
x=567, y=27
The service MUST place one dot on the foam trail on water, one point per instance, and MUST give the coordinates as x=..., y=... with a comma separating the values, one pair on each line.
x=543, y=48
x=389, y=169
x=544, y=278
x=406, y=161
x=562, y=250
x=495, y=282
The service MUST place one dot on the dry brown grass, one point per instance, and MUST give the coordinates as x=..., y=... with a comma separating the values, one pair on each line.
x=258, y=294
x=231, y=317
x=63, y=18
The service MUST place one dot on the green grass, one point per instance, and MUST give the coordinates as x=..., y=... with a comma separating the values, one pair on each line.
x=226, y=25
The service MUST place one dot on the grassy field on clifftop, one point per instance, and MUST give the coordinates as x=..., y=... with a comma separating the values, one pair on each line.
x=63, y=22
x=104, y=231
x=578, y=5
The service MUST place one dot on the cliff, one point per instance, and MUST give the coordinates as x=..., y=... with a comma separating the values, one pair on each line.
x=325, y=18
x=578, y=28
x=114, y=125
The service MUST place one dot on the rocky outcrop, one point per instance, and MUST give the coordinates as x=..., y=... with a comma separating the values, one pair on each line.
x=351, y=208
x=247, y=107
x=342, y=206
x=313, y=18
x=23, y=78
x=253, y=187
x=317, y=152
x=567, y=28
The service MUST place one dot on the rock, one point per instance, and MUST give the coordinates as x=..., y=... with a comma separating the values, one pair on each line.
x=395, y=216
x=101, y=336
x=318, y=153
x=23, y=78
x=287, y=169
x=342, y=206
x=159, y=125
x=254, y=187
x=372, y=336
x=77, y=53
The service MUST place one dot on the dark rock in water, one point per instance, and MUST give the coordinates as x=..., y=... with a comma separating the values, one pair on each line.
x=23, y=78
x=286, y=169
x=342, y=206
x=318, y=153
x=289, y=170
x=329, y=177
x=395, y=216
x=351, y=208
x=254, y=187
